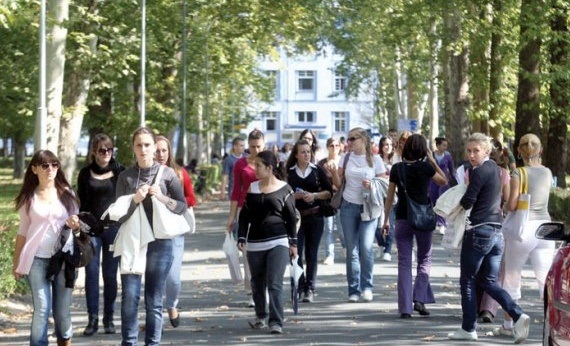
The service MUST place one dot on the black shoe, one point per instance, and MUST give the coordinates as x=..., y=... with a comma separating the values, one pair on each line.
x=420, y=307
x=174, y=321
x=92, y=325
x=308, y=297
x=486, y=316
x=108, y=324
x=405, y=316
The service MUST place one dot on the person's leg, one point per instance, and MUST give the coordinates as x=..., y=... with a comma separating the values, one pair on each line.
x=110, y=265
x=391, y=234
x=92, y=278
x=422, y=287
x=312, y=242
x=350, y=219
x=404, y=243
x=257, y=263
x=130, y=296
x=41, y=301
x=173, y=278
x=301, y=251
x=541, y=258
x=338, y=224
x=329, y=238
x=158, y=263
x=277, y=260
x=62, y=307
x=366, y=232
x=515, y=256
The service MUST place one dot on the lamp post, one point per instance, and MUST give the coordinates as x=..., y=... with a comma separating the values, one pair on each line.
x=40, y=137
x=182, y=136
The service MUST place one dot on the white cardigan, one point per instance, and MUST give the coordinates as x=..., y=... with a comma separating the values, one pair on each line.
x=448, y=207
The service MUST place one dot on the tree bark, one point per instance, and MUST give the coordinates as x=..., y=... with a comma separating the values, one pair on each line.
x=496, y=73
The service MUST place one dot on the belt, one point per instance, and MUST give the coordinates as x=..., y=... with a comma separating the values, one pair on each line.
x=311, y=211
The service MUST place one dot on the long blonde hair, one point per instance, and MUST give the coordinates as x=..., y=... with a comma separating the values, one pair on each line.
x=367, y=144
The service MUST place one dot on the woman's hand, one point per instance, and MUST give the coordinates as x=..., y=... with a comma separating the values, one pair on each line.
x=241, y=247
x=141, y=193
x=154, y=190
x=73, y=222
x=366, y=183
x=292, y=251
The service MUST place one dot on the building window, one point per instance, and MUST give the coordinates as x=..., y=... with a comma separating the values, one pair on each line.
x=306, y=117
x=270, y=120
x=339, y=82
x=306, y=80
x=340, y=119
x=273, y=76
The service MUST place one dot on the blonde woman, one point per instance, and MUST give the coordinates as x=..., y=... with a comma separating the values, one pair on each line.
x=362, y=166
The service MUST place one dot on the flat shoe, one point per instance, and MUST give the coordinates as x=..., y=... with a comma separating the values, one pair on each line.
x=175, y=321
x=405, y=316
x=421, y=308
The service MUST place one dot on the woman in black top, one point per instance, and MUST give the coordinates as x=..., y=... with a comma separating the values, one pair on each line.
x=311, y=186
x=267, y=224
x=96, y=184
x=418, y=174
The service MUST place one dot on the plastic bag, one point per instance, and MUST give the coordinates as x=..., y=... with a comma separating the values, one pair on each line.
x=232, y=254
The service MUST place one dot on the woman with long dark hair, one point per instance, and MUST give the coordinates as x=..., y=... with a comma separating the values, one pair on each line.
x=96, y=186
x=45, y=204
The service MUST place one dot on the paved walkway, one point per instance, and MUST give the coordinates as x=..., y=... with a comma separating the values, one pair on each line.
x=214, y=311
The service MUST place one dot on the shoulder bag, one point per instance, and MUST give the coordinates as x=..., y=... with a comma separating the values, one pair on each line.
x=336, y=200
x=420, y=216
x=514, y=224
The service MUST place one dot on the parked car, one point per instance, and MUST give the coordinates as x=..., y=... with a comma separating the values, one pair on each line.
x=556, y=330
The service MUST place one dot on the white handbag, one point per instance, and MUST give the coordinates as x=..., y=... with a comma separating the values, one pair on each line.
x=514, y=223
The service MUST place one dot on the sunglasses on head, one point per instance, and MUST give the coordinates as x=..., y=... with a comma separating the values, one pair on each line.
x=45, y=166
x=352, y=139
x=104, y=151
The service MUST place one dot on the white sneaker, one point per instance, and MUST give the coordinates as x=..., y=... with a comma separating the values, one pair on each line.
x=441, y=229
x=386, y=257
x=353, y=298
x=367, y=295
x=462, y=335
x=329, y=261
x=520, y=329
x=502, y=331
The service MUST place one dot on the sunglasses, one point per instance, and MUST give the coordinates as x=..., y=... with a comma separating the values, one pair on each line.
x=104, y=151
x=352, y=139
x=307, y=138
x=46, y=166
x=334, y=145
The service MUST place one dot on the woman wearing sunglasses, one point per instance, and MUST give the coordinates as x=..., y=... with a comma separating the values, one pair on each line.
x=45, y=203
x=361, y=167
x=96, y=185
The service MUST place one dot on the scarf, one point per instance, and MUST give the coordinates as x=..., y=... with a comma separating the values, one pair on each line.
x=112, y=166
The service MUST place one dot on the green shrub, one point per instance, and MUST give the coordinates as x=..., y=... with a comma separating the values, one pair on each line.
x=559, y=205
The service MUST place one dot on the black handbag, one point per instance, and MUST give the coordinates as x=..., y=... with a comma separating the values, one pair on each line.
x=420, y=216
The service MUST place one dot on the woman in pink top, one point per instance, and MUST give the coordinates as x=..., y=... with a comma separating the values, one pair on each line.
x=45, y=203
x=244, y=175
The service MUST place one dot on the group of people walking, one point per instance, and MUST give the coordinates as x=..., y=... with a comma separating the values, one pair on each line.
x=280, y=212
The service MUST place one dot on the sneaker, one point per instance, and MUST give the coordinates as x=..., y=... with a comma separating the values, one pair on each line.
x=441, y=229
x=308, y=297
x=258, y=323
x=367, y=295
x=276, y=329
x=520, y=329
x=386, y=257
x=486, y=317
x=251, y=303
x=329, y=261
x=462, y=335
x=353, y=298
x=502, y=331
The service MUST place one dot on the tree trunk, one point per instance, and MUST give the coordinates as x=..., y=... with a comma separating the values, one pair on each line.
x=19, y=158
x=557, y=149
x=57, y=14
x=457, y=92
x=496, y=73
x=433, y=102
x=528, y=102
x=479, y=69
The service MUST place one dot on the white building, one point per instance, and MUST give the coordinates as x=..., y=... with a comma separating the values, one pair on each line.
x=310, y=95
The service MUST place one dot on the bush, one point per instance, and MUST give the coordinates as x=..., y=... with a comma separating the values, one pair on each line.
x=8, y=285
x=559, y=204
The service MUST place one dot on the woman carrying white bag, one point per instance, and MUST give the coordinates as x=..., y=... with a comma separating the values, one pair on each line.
x=517, y=251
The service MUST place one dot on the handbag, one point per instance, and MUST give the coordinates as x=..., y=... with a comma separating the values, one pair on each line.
x=165, y=223
x=420, y=216
x=336, y=199
x=231, y=251
x=514, y=223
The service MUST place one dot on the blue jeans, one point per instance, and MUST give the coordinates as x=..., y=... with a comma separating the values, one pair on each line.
x=309, y=239
x=387, y=242
x=409, y=290
x=158, y=262
x=329, y=234
x=173, y=279
x=359, y=238
x=109, y=265
x=267, y=271
x=48, y=295
x=480, y=263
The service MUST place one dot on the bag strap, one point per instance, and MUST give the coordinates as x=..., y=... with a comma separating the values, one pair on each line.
x=158, y=174
x=523, y=187
x=402, y=171
x=344, y=164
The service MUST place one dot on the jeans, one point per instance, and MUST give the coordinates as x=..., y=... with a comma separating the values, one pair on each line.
x=308, y=239
x=173, y=279
x=48, y=295
x=329, y=234
x=387, y=242
x=421, y=290
x=359, y=238
x=267, y=271
x=109, y=265
x=480, y=262
x=158, y=262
